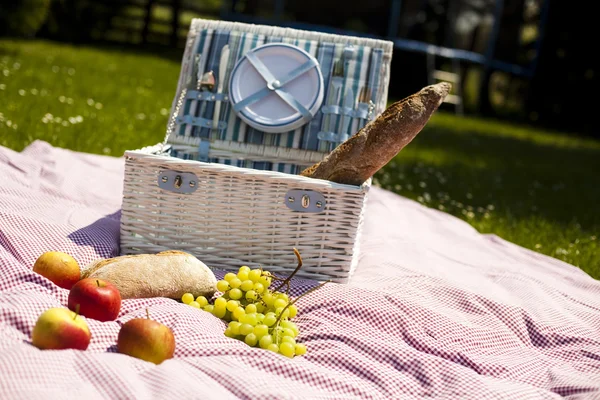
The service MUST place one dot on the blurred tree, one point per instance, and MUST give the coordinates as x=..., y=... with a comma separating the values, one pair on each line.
x=22, y=18
x=562, y=91
x=80, y=20
x=366, y=16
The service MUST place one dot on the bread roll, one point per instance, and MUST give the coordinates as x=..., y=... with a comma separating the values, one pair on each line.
x=363, y=154
x=166, y=274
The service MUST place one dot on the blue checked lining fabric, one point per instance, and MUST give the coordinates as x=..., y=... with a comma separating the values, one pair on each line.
x=366, y=71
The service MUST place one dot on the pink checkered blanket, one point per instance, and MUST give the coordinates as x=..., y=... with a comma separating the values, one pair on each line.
x=435, y=309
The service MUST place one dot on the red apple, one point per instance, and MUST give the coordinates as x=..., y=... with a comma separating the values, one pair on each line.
x=59, y=267
x=98, y=299
x=60, y=328
x=146, y=339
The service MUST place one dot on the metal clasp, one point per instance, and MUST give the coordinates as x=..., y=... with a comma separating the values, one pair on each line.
x=305, y=200
x=178, y=182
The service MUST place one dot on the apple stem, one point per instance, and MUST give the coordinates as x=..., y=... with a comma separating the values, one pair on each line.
x=76, y=312
x=98, y=282
x=147, y=314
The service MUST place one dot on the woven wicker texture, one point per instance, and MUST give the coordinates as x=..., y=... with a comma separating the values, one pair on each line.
x=238, y=216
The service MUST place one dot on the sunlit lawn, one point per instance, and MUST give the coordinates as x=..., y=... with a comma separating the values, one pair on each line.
x=538, y=189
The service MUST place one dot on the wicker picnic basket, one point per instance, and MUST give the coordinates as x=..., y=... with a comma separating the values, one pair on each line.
x=224, y=183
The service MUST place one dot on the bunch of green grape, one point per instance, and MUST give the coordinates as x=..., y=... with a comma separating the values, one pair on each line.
x=257, y=315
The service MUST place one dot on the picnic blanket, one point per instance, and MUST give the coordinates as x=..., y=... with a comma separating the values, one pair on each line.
x=435, y=309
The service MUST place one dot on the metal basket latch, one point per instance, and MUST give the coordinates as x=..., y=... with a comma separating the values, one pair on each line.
x=178, y=182
x=305, y=200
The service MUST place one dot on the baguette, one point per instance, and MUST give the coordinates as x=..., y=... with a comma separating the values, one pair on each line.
x=166, y=274
x=363, y=154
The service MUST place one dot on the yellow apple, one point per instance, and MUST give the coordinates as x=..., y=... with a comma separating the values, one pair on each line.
x=59, y=267
x=60, y=328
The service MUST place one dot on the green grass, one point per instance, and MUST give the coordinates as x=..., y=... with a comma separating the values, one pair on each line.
x=93, y=100
x=538, y=189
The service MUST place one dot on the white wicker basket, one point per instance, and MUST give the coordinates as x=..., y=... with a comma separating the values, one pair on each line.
x=238, y=216
x=229, y=216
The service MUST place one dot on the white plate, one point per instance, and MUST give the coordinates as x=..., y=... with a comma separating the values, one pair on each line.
x=271, y=113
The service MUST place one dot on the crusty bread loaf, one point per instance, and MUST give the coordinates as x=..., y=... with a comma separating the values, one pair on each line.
x=361, y=156
x=166, y=274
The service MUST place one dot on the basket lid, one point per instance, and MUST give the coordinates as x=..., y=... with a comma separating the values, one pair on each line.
x=276, y=87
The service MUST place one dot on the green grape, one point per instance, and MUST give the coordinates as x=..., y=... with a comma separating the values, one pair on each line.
x=220, y=302
x=293, y=311
x=251, y=339
x=250, y=309
x=265, y=281
x=265, y=341
x=300, y=349
x=235, y=283
x=284, y=297
x=239, y=313
x=244, y=268
x=288, y=339
x=270, y=319
x=234, y=327
x=243, y=275
x=273, y=347
x=254, y=275
x=261, y=330
x=287, y=349
x=258, y=287
x=268, y=299
x=232, y=305
x=251, y=295
x=290, y=325
x=279, y=303
x=260, y=307
x=260, y=317
x=277, y=334
x=247, y=285
x=246, y=329
x=288, y=332
x=209, y=308
x=229, y=276
x=249, y=319
x=235, y=294
x=187, y=298
x=229, y=333
x=222, y=286
x=194, y=304
x=219, y=312
x=280, y=310
x=202, y=301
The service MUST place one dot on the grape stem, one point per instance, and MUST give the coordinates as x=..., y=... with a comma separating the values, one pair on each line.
x=287, y=280
x=296, y=299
